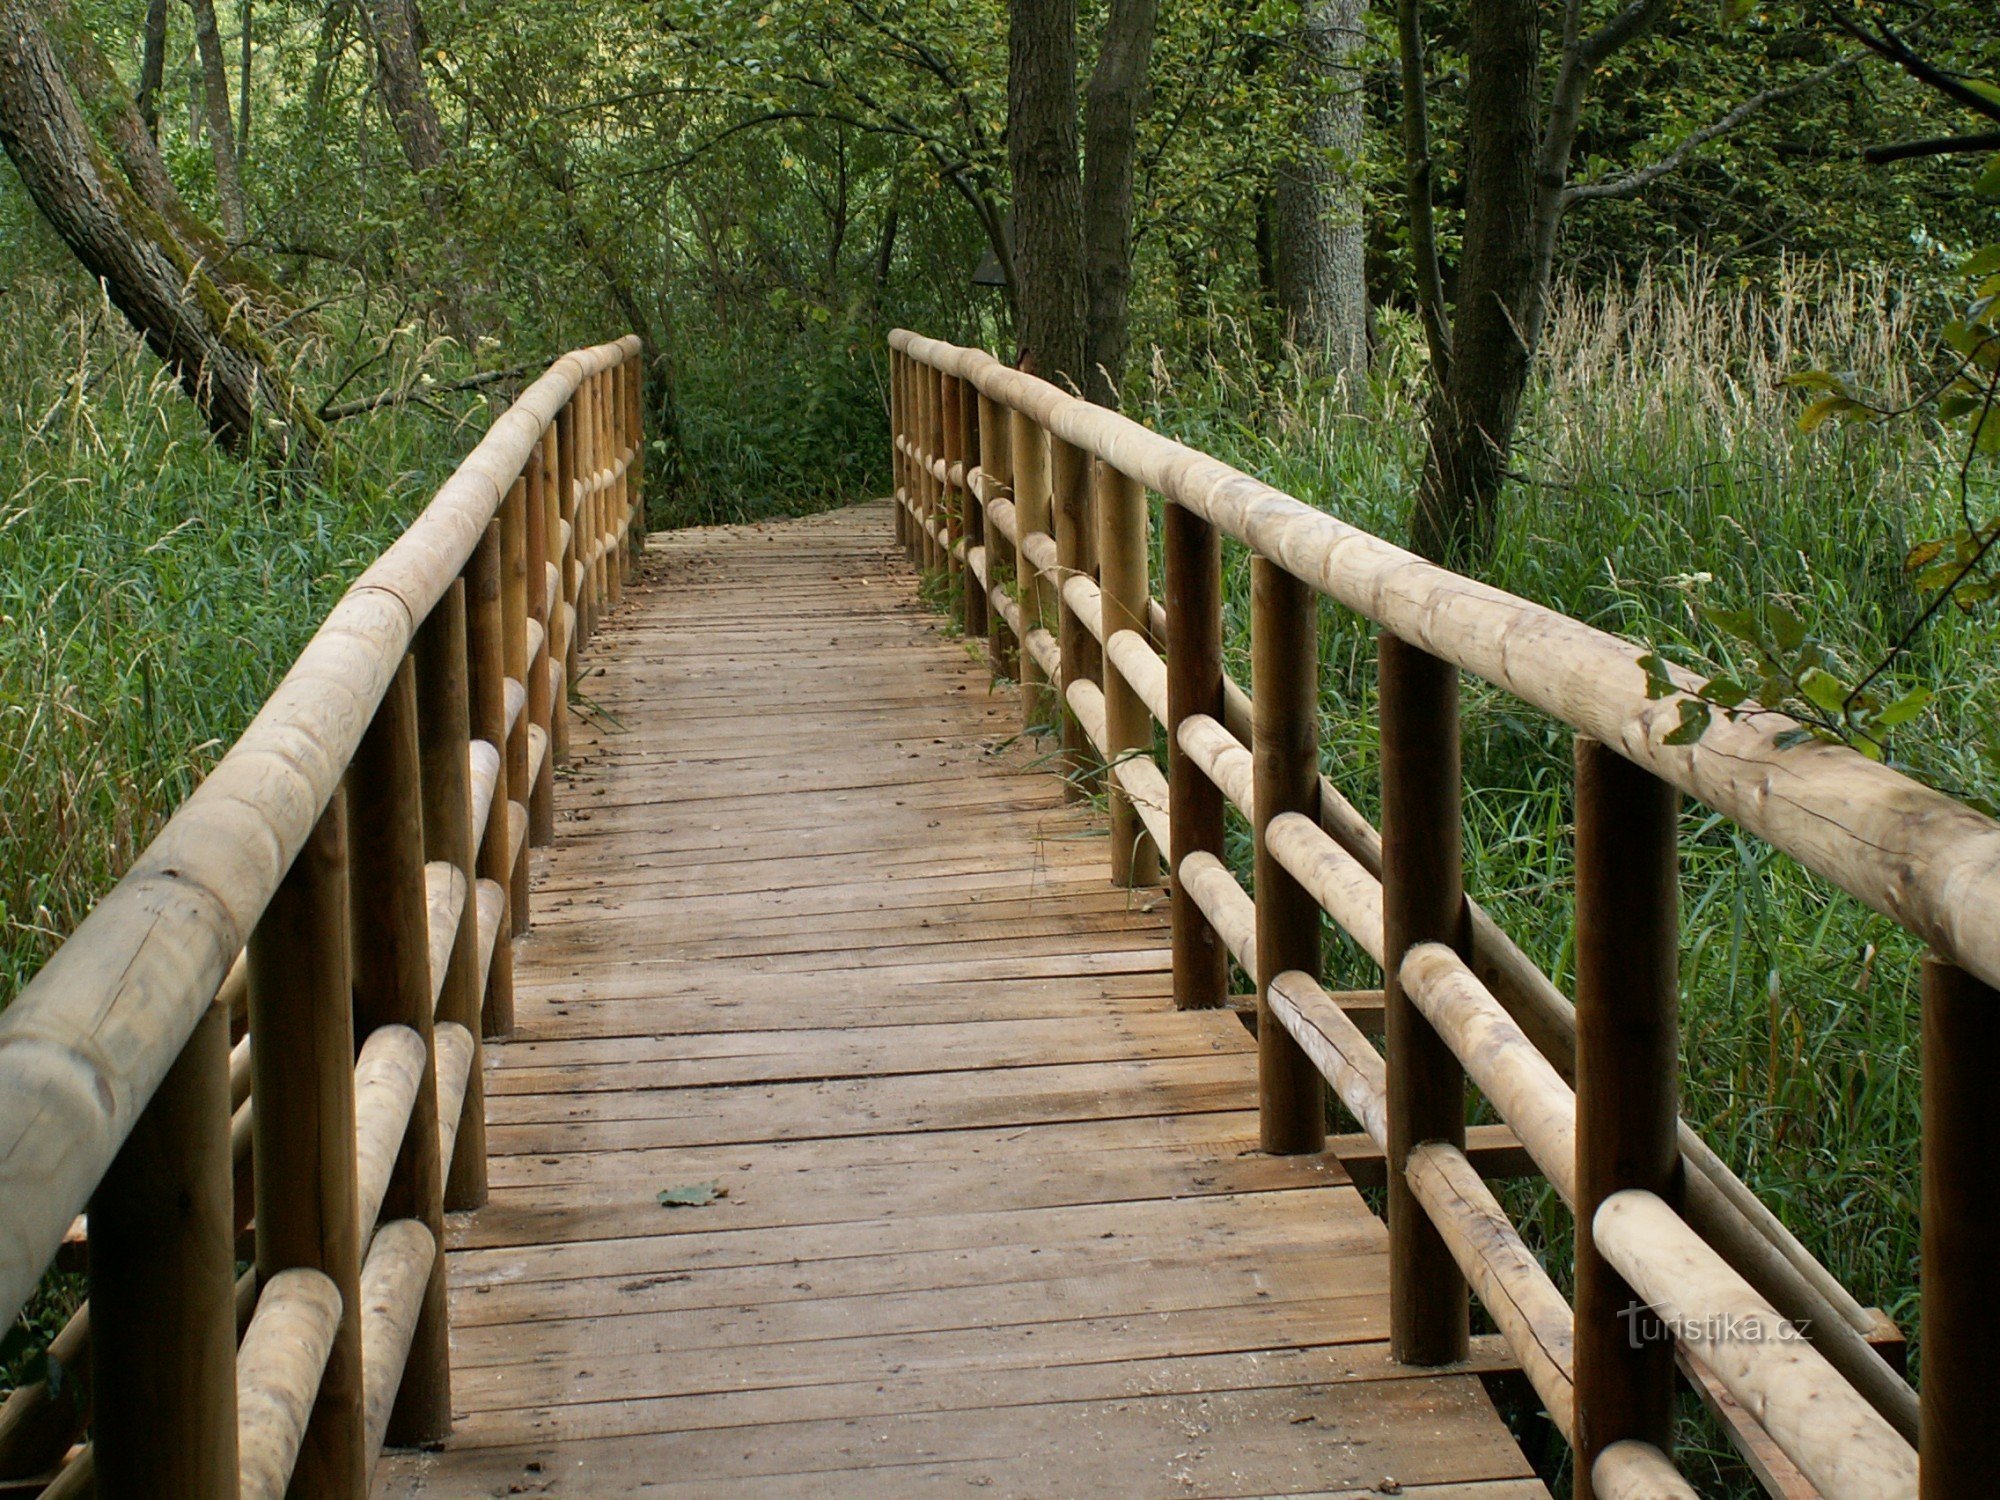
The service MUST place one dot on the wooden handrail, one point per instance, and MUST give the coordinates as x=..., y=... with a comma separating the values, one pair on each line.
x=430, y=705
x=1915, y=855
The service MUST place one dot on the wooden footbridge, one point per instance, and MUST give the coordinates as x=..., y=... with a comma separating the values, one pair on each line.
x=867, y=1107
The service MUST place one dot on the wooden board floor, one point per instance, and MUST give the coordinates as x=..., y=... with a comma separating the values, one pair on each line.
x=820, y=930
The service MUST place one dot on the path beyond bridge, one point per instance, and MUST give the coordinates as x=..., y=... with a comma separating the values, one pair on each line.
x=820, y=930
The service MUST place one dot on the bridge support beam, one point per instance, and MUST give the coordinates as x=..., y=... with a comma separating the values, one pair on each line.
x=1959, y=1440
x=1627, y=1086
x=1423, y=901
x=1284, y=665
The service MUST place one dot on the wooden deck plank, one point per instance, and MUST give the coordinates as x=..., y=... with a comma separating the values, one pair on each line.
x=820, y=928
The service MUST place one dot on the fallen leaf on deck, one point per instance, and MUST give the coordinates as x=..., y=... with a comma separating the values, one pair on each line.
x=694, y=1195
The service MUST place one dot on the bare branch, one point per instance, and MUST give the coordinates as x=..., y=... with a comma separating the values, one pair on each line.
x=1946, y=145
x=1634, y=183
x=1897, y=51
x=1635, y=20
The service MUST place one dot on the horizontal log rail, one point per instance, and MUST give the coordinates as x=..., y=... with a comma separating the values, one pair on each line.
x=338, y=896
x=1033, y=502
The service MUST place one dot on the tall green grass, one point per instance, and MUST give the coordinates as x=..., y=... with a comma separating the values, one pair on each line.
x=153, y=589
x=1659, y=466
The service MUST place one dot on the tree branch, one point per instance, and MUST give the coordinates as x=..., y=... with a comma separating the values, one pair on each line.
x=1946, y=145
x=1431, y=306
x=1637, y=183
x=423, y=394
x=1634, y=183
x=1897, y=51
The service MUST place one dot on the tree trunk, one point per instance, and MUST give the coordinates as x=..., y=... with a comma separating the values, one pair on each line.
x=1472, y=417
x=243, y=95
x=1111, y=140
x=1048, y=193
x=111, y=107
x=167, y=295
x=401, y=72
x=153, y=66
x=1321, y=282
x=215, y=114
x=398, y=32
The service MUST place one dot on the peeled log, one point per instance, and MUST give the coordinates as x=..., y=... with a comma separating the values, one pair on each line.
x=278, y=1369
x=1840, y=1442
x=392, y=1293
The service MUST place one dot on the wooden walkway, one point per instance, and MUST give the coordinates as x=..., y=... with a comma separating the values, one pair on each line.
x=817, y=930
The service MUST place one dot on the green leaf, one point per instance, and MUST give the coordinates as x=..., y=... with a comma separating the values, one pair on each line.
x=1988, y=185
x=1922, y=556
x=1787, y=629
x=1740, y=623
x=1939, y=575
x=693, y=1195
x=1694, y=722
x=1904, y=708
x=1724, y=692
x=1985, y=261
x=1823, y=690
x=1658, y=683
x=1814, y=416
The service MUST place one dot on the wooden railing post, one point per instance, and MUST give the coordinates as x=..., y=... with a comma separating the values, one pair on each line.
x=1123, y=555
x=1284, y=668
x=1423, y=900
x=444, y=739
x=899, y=464
x=1958, y=1436
x=162, y=1298
x=1082, y=658
x=389, y=921
x=1034, y=592
x=514, y=636
x=635, y=433
x=1627, y=1085
x=588, y=461
x=541, y=788
x=616, y=531
x=486, y=657
x=972, y=511
x=569, y=474
x=996, y=463
x=934, y=514
x=923, y=387
x=951, y=428
x=302, y=1059
x=1191, y=553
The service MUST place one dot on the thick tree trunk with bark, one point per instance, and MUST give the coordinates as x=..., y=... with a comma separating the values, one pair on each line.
x=216, y=116
x=1112, y=106
x=111, y=107
x=219, y=359
x=1048, y=194
x=1321, y=286
x=1473, y=415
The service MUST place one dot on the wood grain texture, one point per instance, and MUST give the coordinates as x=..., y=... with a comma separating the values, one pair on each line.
x=823, y=932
